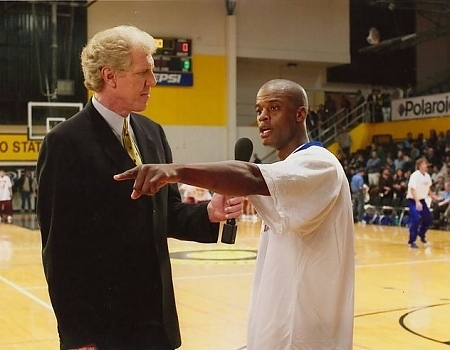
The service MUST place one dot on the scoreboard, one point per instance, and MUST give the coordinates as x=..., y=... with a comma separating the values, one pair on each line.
x=173, y=62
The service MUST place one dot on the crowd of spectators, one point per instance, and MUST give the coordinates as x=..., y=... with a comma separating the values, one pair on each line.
x=339, y=105
x=387, y=168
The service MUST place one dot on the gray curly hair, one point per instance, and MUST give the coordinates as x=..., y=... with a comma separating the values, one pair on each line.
x=112, y=47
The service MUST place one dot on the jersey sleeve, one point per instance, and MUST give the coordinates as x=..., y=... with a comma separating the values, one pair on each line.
x=303, y=189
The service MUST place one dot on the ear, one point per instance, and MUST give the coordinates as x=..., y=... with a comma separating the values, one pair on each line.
x=302, y=113
x=109, y=76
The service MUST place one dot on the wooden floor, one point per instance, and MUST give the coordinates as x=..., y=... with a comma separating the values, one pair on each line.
x=402, y=294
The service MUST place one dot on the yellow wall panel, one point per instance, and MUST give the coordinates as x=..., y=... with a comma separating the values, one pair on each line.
x=204, y=103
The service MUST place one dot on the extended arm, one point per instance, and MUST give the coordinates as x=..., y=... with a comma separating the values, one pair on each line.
x=231, y=178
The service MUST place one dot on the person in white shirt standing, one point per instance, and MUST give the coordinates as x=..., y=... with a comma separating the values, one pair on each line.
x=419, y=189
x=5, y=197
x=303, y=288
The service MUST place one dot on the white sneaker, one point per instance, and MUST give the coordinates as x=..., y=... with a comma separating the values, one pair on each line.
x=9, y=219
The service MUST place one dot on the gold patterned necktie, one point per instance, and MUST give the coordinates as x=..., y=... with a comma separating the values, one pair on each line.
x=129, y=144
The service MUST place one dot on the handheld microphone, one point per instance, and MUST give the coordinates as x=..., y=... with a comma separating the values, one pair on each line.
x=243, y=150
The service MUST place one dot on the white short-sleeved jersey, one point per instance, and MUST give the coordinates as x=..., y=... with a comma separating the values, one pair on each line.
x=5, y=185
x=421, y=183
x=303, y=288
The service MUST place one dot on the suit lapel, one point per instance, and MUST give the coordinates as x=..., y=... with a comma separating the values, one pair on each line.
x=112, y=146
x=146, y=144
x=107, y=139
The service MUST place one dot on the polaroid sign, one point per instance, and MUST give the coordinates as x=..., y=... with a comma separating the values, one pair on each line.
x=174, y=79
x=421, y=107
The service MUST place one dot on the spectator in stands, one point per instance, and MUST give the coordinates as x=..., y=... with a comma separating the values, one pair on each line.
x=435, y=173
x=322, y=121
x=342, y=157
x=447, y=137
x=446, y=167
x=421, y=142
x=344, y=139
x=409, y=164
x=386, y=184
x=357, y=161
x=438, y=185
x=407, y=174
x=349, y=172
x=358, y=192
x=414, y=153
x=409, y=91
x=390, y=163
x=432, y=158
x=441, y=206
x=399, y=184
x=407, y=143
x=373, y=168
x=371, y=105
x=441, y=139
x=381, y=152
x=386, y=104
x=439, y=151
x=399, y=162
x=419, y=188
x=397, y=93
x=432, y=140
x=378, y=114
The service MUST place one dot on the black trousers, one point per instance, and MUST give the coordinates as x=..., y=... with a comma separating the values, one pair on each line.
x=153, y=338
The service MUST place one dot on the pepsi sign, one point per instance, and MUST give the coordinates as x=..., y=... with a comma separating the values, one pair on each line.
x=175, y=79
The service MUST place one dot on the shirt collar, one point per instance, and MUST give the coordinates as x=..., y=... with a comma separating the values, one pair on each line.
x=114, y=120
x=307, y=145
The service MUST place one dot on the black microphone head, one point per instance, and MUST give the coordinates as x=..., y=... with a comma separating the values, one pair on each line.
x=243, y=149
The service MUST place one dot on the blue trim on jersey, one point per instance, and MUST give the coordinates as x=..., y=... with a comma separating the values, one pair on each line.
x=309, y=144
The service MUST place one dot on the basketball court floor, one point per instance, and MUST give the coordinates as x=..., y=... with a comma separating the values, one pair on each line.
x=402, y=294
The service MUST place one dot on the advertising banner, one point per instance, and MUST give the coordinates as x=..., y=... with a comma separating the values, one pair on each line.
x=17, y=148
x=421, y=107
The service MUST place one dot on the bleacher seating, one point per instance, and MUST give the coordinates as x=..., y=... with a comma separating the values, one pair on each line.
x=386, y=211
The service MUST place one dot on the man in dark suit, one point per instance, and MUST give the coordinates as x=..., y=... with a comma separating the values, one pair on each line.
x=105, y=255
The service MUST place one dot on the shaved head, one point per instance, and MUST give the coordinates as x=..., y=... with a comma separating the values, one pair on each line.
x=290, y=89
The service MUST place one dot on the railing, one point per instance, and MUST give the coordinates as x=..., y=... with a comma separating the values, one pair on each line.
x=342, y=118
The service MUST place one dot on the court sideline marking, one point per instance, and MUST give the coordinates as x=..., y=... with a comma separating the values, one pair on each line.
x=49, y=307
x=26, y=293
